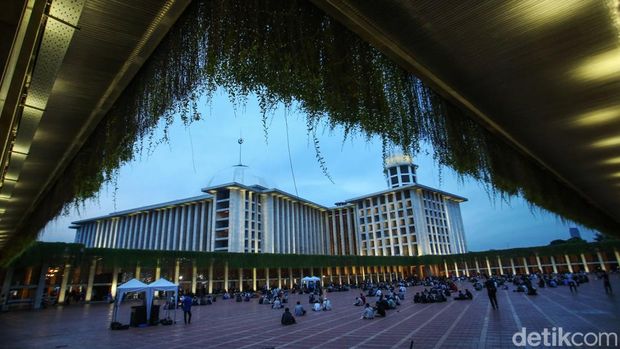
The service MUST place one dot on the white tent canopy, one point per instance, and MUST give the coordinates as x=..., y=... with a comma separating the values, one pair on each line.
x=133, y=285
x=160, y=285
x=310, y=278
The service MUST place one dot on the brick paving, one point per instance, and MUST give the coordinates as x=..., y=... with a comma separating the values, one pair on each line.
x=227, y=324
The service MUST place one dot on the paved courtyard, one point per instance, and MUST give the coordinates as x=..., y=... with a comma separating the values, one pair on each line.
x=227, y=324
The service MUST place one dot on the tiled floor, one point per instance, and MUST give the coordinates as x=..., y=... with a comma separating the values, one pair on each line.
x=227, y=324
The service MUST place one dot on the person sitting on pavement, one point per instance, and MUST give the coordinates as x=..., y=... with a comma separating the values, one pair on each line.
x=277, y=304
x=327, y=304
x=287, y=318
x=316, y=306
x=358, y=302
x=299, y=310
x=461, y=296
x=368, y=313
x=468, y=294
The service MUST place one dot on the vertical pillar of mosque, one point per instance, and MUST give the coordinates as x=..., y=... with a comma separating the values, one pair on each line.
x=512, y=266
x=254, y=279
x=194, y=277
x=477, y=266
x=363, y=273
x=585, y=263
x=311, y=271
x=355, y=272
x=420, y=271
x=66, y=272
x=226, y=285
x=6, y=288
x=568, y=264
x=384, y=274
x=617, y=255
x=91, y=280
x=240, y=279
x=553, y=265
x=177, y=271
x=290, y=277
x=445, y=266
x=329, y=273
x=527, y=270
x=500, y=269
x=210, y=276
x=600, y=260
x=488, y=265
x=115, y=271
x=158, y=271
x=348, y=274
x=339, y=275
x=466, y=269
x=267, y=281
x=38, y=297
x=301, y=274
x=138, y=269
x=279, y=277
x=540, y=269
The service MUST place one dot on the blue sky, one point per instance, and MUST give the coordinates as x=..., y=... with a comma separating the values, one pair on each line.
x=205, y=149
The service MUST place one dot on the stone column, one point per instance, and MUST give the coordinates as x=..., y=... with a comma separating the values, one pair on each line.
x=115, y=271
x=240, y=279
x=290, y=277
x=38, y=297
x=66, y=274
x=477, y=266
x=210, y=276
x=384, y=274
x=339, y=275
x=177, y=271
x=512, y=266
x=553, y=265
x=279, y=277
x=311, y=271
x=194, y=277
x=445, y=266
x=91, y=280
x=500, y=269
x=355, y=272
x=617, y=255
x=466, y=269
x=585, y=263
x=6, y=288
x=157, y=272
x=254, y=279
x=540, y=268
x=138, y=270
x=600, y=260
x=568, y=264
x=527, y=270
x=488, y=265
x=267, y=281
x=363, y=273
x=226, y=285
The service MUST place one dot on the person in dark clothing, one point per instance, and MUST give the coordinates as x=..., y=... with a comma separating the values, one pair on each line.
x=287, y=318
x=492, y=292
x=606, y=283
x=572, y=284
x=187, y=309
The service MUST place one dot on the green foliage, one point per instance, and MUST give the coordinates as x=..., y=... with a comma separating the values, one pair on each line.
x=285, y=52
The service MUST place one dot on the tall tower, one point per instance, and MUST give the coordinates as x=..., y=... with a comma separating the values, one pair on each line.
x=400, y=171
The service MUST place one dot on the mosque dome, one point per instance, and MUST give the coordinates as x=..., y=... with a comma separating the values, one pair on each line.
x=241, y=174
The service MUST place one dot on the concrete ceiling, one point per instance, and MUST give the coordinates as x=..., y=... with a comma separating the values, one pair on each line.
x=68, y=63
x=543, y=74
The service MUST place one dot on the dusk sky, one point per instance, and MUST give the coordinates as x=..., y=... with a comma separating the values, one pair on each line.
x=206, y=149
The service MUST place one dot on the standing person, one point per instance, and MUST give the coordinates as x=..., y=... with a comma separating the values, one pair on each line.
x=606, y=283
x=492, y=292
x=187, y=309
x=572, y=284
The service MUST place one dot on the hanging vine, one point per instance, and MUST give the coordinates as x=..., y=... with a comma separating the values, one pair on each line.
x=285, y=52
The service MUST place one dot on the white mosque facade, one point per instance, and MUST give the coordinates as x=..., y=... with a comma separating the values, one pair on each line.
x=245, y=215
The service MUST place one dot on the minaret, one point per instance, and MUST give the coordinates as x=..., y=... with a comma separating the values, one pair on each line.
x=400, y=171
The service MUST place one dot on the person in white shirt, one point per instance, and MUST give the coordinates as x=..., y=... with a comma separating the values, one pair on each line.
x=316, y=306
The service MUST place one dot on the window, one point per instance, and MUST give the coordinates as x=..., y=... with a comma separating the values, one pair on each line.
x=404, y=169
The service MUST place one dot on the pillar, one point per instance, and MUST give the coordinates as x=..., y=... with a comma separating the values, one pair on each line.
x=6, y=288
x=339, y=269
x=194, y=276
x=617, y=255
x=466, y=269
x=512, y=266
x=267, y=281
x=290, y=277
x=311, y=271
x=488, y=265
x=66, y=273
x=540, y=269
x=384, y=274
x=355, y=272
x=254, y=279
x=115, y=272
x=477, y=266
x=527, y=270
x=568, y=264
x=226, y=286
x=157, y=272
x=600, y=260
x=500, y=269
x=138, y=269
x=240, y=279
x=279, y=277
x=553, y=265
x=585, y=263
x=38, y=297
x=445, y=266
x=91, y=280
x=363, y=273
x=210, y=276
x=177, y=271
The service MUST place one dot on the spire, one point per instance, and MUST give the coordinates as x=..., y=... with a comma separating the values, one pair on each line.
x=240, y=141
